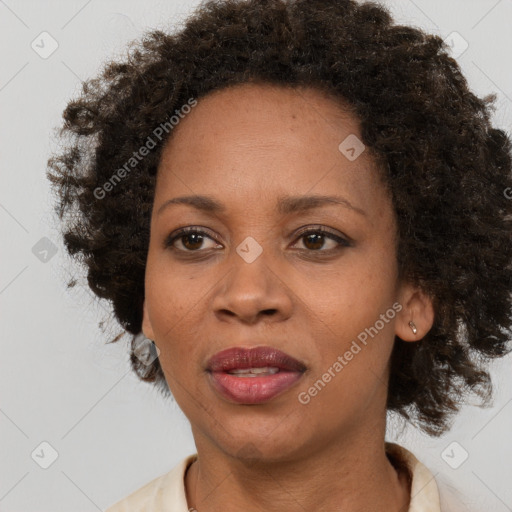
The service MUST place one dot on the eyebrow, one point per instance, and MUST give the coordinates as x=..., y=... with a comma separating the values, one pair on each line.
x=285, y=205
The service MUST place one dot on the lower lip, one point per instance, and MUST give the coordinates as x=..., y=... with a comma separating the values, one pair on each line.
x=253, y=390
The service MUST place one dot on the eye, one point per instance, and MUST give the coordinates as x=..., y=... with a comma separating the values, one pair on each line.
x=314, y=239
x=191, y=239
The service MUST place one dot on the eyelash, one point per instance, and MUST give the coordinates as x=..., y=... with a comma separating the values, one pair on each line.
x=343, y=242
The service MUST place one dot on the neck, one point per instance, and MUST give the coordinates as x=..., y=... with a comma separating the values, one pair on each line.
x=354, y=475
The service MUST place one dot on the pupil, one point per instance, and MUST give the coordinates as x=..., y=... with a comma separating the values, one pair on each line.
x=319, y=241
x=198, y=241
x=194, y=241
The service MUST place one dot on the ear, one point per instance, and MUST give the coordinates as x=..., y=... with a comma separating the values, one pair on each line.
x=147, y=329
x=417, y=307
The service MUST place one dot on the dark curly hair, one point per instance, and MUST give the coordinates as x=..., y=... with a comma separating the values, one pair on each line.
x=447, y=169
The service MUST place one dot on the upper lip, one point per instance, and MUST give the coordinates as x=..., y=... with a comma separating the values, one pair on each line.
x=255, y=357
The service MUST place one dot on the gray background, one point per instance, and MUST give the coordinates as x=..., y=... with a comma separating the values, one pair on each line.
x=60, y=383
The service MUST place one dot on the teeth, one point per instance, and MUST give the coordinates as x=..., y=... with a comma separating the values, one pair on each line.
x=253, y=372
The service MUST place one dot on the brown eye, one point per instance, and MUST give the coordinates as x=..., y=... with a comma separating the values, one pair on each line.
x=315, y=239
x=191, y=239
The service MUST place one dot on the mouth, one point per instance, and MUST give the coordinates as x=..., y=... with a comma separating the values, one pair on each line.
x=253, y=375
x=254, y=372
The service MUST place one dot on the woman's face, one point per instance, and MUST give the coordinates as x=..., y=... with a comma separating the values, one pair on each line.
x=254, y=278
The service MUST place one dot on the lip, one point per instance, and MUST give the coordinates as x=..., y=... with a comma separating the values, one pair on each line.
x=259, y=388
x=241, y=358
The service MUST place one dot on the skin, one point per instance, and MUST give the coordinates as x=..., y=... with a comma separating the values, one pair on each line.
x=246, y=146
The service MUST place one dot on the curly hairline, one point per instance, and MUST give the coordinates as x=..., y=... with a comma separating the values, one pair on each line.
x=444, y=163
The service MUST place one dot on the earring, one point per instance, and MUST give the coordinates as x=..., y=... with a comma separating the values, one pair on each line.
x=144, y=349
x=412, y=325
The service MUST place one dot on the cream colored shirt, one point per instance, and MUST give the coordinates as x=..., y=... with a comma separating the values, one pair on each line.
x=166, y=493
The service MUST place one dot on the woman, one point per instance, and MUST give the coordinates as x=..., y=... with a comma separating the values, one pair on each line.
x=303, y=207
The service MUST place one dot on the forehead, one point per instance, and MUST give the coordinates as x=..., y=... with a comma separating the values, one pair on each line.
x=266, y=110
x=257, y=140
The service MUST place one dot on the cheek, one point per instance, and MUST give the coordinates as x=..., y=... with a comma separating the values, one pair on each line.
x=352, y=355
x=172, y=291
x=353, y=295
x=347, y=306
x=174, y=306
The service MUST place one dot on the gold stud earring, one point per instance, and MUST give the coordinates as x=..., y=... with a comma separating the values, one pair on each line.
x=412, y=325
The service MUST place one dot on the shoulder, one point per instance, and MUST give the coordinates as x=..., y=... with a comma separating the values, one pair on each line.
x=424, y=489
x=429, y=492
x=166, y=492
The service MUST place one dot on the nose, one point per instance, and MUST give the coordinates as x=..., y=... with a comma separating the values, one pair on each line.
x=251, y=291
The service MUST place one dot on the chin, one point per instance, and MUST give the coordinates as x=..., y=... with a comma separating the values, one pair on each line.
x=253, y=448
